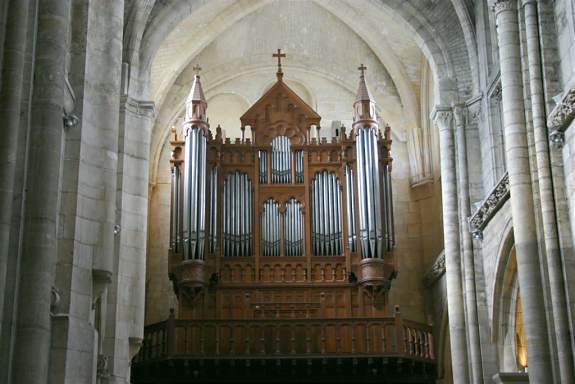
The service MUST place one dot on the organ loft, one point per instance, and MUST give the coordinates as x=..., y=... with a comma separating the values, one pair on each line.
x=282, y=249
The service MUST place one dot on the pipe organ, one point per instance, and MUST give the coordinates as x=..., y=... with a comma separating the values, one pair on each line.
x=282, y=249
x=281, y=217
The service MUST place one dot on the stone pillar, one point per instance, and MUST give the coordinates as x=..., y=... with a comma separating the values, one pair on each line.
x=443, y=119
x=522, y=210
x=548, y=210
x=39, y=242
x=13, y=132
x=467, y=251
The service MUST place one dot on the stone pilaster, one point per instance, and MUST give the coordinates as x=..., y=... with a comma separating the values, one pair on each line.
x=548, y=209
x=443, y=120
x=524, y=226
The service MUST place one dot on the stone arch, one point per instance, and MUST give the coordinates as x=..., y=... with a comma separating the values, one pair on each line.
x=504, y=300
x=429, y=36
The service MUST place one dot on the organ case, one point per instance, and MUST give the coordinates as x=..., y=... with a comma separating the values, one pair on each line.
x=281, y=223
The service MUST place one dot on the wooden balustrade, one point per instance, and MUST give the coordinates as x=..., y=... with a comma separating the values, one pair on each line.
x=286, y=338
x=280, y=269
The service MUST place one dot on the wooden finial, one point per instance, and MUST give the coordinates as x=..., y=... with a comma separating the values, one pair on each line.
x=362, y=69
x=279, y=56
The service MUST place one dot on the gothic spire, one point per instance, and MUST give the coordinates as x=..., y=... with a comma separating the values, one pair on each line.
x=196, y=104
x=364, y=105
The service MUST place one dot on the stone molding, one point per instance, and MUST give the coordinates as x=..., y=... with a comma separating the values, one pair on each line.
x=142, y=108
x=563, y=114
x=474, y=109
x=502, y=5
x=436, y=271
x=489, y=207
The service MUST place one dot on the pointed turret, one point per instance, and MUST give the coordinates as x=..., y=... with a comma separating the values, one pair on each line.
x=196, y=104
x=364, y=105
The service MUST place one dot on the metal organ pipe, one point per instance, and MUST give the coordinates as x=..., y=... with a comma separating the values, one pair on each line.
x=299, y=166
x=350, y=207
x=237, y=215
x=292, y=223
x=326, y=214
x=263, y=170
x=369, y=193
x=213, y=209
x=281, y=160
x=175, y=228
x=194, y=194
x=388, y=205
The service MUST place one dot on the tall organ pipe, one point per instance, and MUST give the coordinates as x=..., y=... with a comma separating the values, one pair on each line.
x=263, y=174
x=350, y=207
x=326, y=214
x=194, y=194
x=281, y=160
x=292, y=223
x=369, y=193
x=175, y=228
x=237, y=215
x=213, y=209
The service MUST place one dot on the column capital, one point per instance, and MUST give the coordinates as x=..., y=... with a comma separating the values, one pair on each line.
x=499, y=6
x=459, y=114
x=442, y=117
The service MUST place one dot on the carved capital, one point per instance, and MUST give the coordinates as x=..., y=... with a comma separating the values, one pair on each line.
x=442, y=118
x=499, y=6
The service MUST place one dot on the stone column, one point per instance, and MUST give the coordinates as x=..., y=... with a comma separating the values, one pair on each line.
x=39, y=242
x=548, y=210
x=467, y=251
x=522, y=210
x=443, y=119
x=11, y=93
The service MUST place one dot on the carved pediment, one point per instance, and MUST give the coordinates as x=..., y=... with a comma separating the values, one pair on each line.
x=280, y=111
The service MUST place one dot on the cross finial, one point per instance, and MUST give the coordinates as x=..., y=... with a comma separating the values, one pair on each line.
x=362, y=69
x=197, y=68
x=279, y=56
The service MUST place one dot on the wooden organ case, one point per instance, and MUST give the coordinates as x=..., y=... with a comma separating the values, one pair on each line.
x=282, y=243
x=279, y=224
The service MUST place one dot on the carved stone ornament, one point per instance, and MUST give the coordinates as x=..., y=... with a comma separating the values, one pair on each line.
x=442, y=118
x=102, y=371
x=436, y=271
x=502, y=5
x=563, y=113
x=489, y=207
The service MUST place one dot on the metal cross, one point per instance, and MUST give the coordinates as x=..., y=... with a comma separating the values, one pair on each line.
x=362, y=68
x=197, y=68
x=279, y=55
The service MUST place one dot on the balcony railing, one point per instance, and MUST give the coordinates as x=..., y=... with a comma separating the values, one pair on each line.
x=280, y=338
